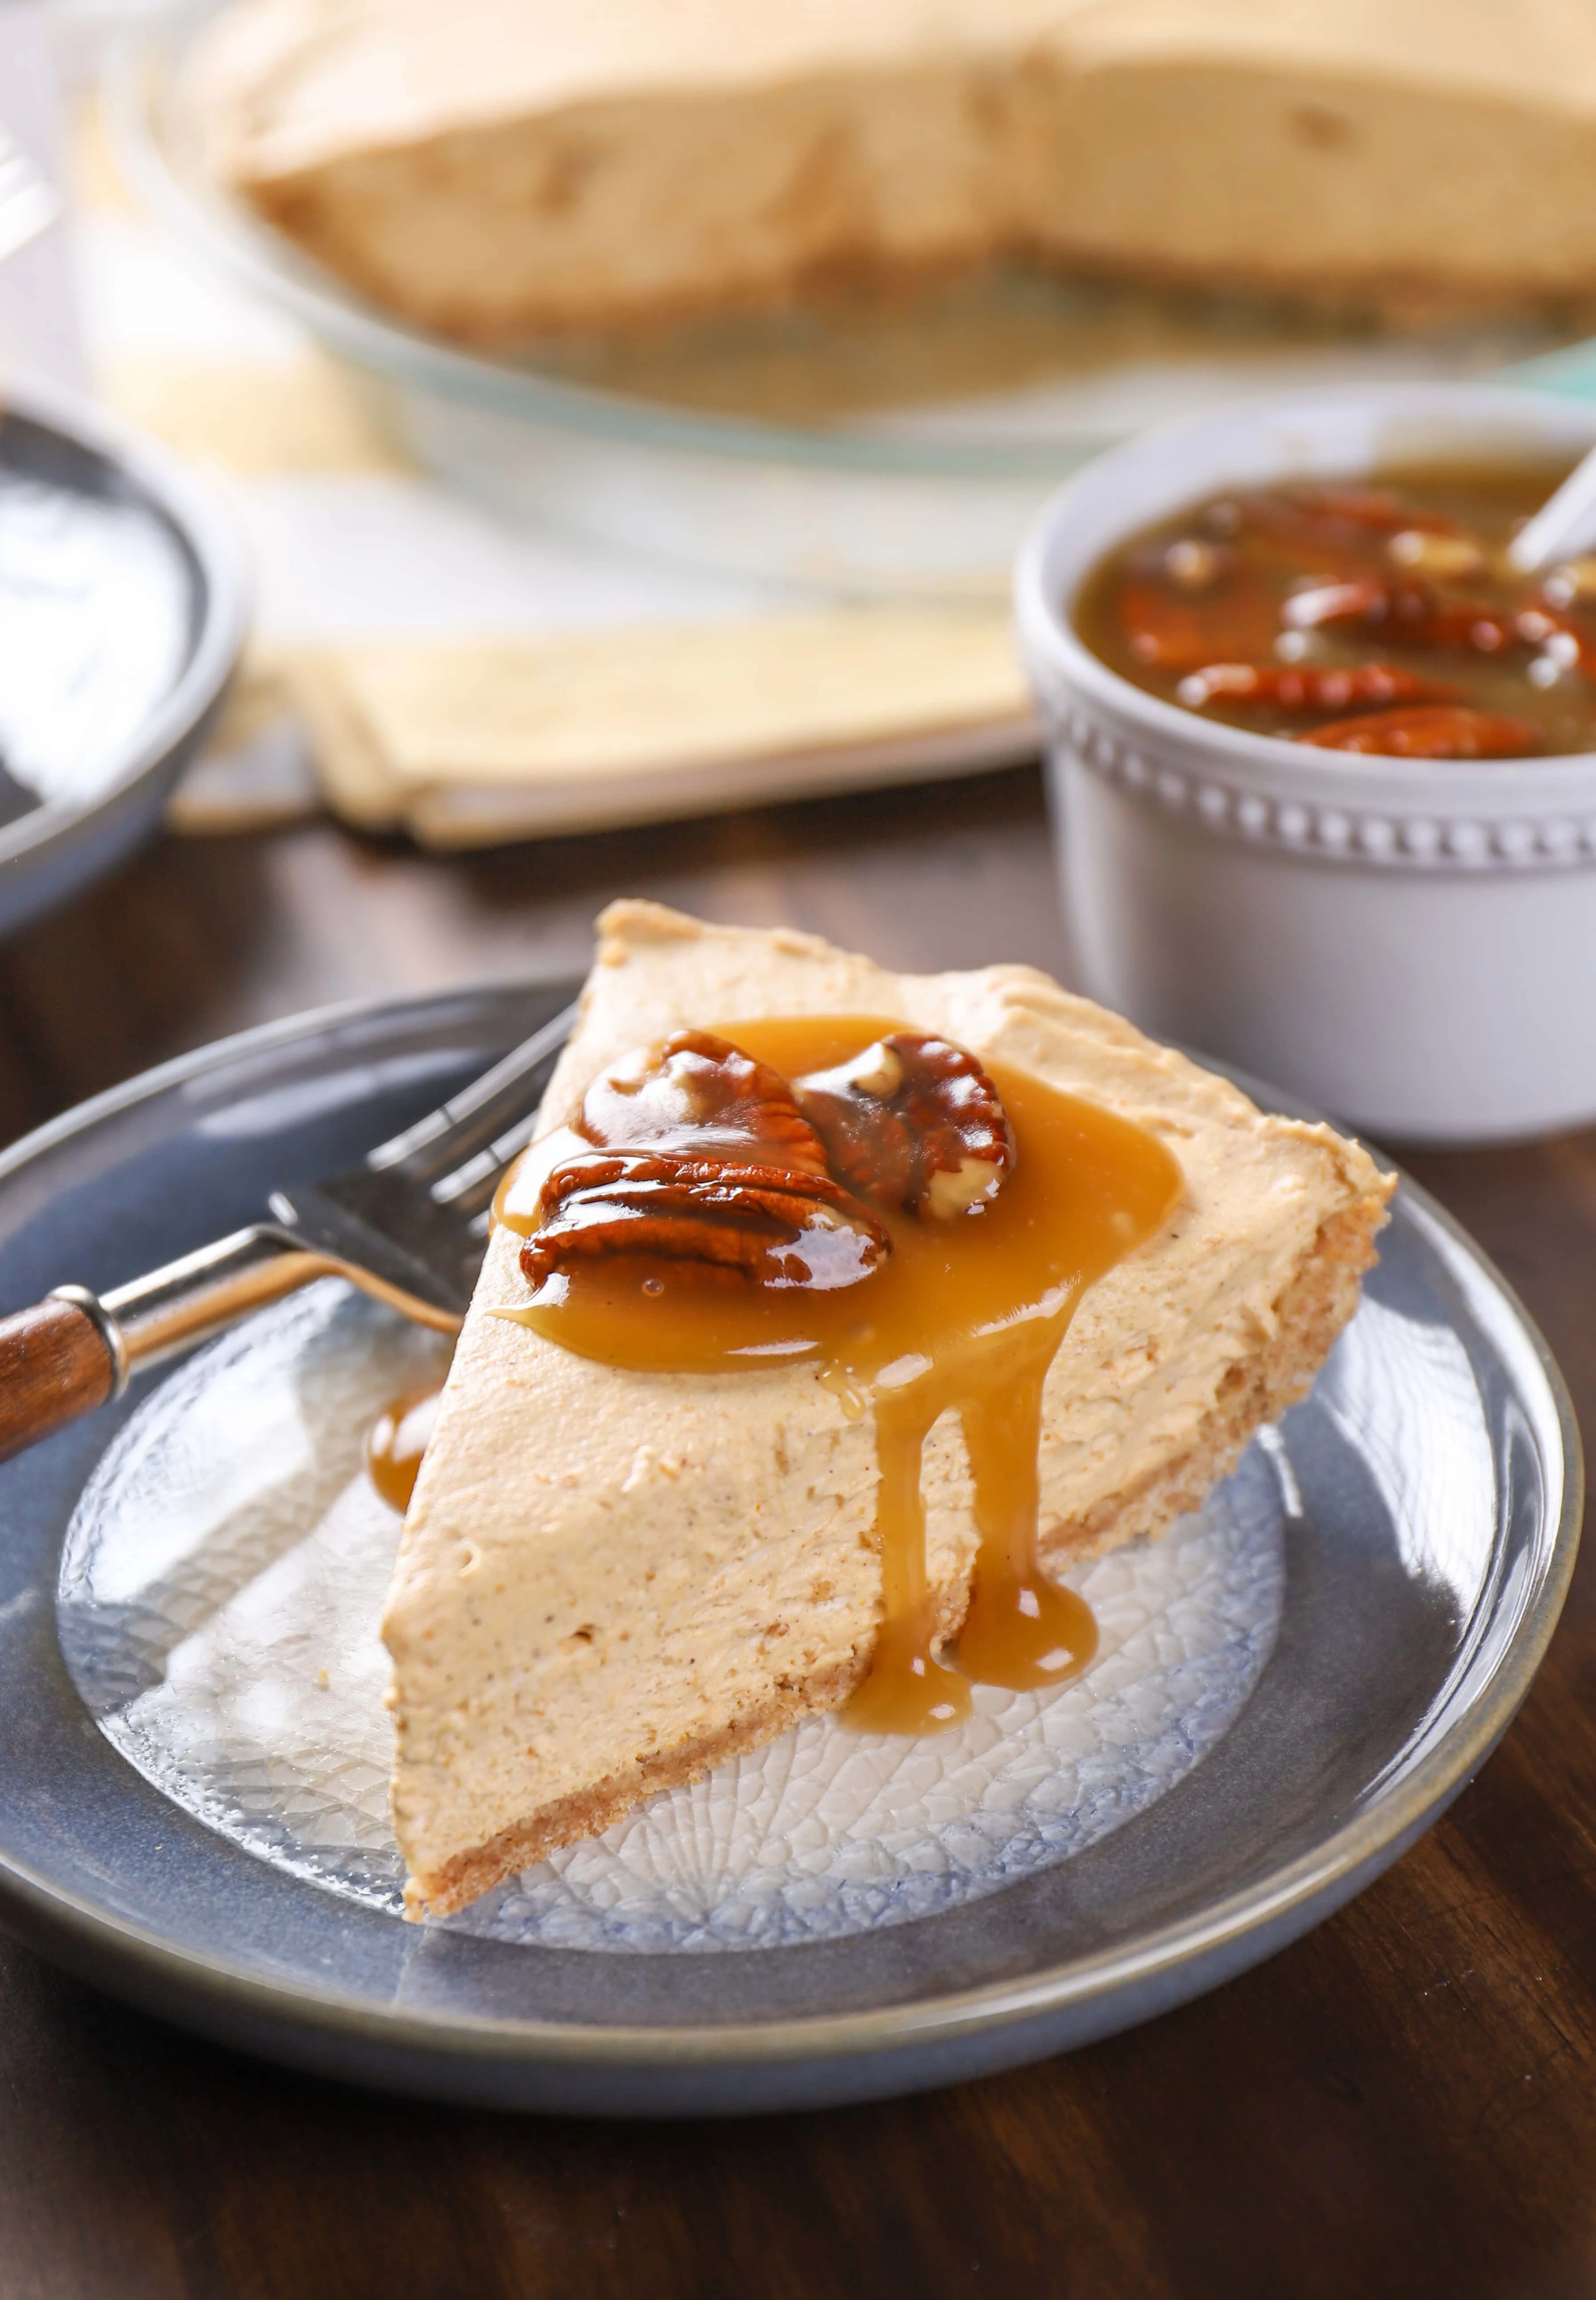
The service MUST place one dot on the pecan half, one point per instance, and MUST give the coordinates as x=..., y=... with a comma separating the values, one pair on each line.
x=914, y=1121
x=1434, y=731
x=698, y=1154
x=1171, y=624
x=1309, y=687
x=1412, y=613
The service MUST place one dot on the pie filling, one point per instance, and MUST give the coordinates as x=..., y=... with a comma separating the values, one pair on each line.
x=920, y=1227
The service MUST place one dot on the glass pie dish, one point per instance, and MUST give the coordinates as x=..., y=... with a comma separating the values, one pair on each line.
x=891, y=445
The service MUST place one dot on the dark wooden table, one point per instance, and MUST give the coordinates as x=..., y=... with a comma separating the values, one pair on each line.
x=1403, y=2104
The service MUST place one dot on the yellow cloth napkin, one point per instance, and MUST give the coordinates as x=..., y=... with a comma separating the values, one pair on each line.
x=500, y=739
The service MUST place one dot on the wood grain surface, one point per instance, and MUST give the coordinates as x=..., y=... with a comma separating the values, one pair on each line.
x=1402, y=2103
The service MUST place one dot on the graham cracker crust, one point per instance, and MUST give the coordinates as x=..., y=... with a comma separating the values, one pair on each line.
x=1308, y=1315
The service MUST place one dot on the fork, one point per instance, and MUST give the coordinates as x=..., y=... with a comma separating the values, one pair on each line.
x=408, y=1225
x=28, y=205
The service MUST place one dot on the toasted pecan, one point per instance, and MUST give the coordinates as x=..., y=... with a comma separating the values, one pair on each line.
x=700, y=1153
x=914, y=1122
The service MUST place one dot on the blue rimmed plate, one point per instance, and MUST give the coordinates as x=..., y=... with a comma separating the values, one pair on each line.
x=1422, y=1510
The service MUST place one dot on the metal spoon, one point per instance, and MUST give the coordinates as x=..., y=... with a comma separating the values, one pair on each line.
x=1564, y=526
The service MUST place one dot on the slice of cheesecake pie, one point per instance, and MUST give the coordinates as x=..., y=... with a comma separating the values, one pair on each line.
x=833, y=1312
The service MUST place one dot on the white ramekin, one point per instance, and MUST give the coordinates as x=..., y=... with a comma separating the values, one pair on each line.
x=1409, y=944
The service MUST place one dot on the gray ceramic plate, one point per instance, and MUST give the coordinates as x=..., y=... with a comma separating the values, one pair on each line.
x=123, y=599
x=1432, y=1487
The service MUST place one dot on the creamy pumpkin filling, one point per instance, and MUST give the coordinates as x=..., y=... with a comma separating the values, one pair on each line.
x=499, y=169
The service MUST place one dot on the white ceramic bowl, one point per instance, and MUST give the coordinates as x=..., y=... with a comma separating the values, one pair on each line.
x=1409, y=944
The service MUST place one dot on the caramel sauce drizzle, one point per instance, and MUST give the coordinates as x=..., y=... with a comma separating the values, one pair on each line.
x=396, y=1442
x=965, y=1316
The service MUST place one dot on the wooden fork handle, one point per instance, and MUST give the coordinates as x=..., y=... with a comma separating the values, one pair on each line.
x=55, y=1364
